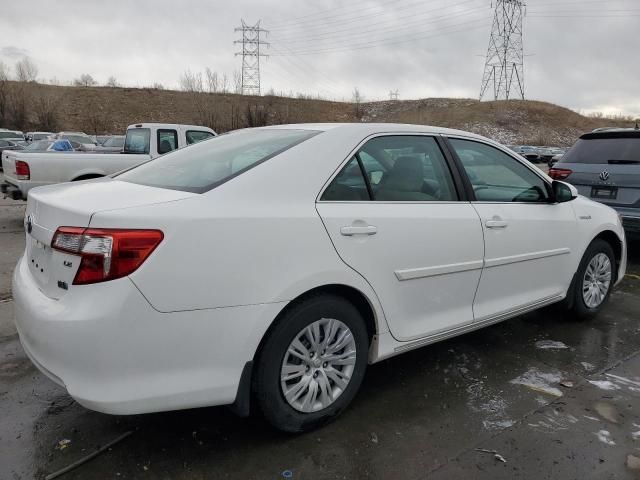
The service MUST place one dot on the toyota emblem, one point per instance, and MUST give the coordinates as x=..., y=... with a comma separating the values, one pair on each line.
x=604, y=176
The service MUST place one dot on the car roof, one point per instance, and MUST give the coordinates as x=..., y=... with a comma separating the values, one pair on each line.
x=373, y=128
x=612, y=133
x=167, y=125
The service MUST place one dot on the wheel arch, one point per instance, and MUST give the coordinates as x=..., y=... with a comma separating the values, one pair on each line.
x=242, y=403
x=612, y=239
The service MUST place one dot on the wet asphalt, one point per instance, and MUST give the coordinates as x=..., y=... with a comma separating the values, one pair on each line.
x=551, y=397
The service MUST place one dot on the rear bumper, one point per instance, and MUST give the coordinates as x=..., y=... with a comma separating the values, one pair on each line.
x=115, y=354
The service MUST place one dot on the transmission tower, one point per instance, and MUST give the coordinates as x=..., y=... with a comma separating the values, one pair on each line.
x=504, y=67
x=393, y=95
x=251, y=56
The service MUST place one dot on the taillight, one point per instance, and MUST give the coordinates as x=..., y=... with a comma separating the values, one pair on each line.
x=106, y=253
x=559, y=173
x=22, y=170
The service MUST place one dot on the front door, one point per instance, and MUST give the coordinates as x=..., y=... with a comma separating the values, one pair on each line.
x=529, y=240
x=394, y=215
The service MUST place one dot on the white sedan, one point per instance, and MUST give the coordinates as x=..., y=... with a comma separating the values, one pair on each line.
x=273, y=264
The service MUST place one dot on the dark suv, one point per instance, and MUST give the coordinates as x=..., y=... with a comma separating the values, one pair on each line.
x=604, y=165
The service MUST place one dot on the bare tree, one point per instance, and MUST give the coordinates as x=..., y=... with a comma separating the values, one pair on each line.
x=85, y=80
x=112, y=82
x=26, y=70
x=357, y=99
x=5, y=71
x=4, y=93
x=158, y=86
x=46, y=110
x=224, y=84
x=213, y=82
x=191, y=82
x=17, y=106
x=237, y=82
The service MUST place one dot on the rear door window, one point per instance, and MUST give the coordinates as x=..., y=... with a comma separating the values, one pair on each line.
x=167, y=141
x=137, y=140
x=195, y=136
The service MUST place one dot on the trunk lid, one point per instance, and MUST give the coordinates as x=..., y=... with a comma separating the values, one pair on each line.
x=73, y=205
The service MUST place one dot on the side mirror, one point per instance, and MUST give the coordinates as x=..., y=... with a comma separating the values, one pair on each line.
x=563, y=192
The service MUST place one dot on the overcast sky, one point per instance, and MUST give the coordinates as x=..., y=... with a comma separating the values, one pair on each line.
x=580, y=54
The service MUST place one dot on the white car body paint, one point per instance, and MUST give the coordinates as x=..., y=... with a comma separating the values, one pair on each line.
x=177, y=332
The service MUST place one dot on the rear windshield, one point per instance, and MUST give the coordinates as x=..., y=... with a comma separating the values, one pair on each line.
x=10, y=135
x=137, y=140
x=205, y=165
x=604, y=151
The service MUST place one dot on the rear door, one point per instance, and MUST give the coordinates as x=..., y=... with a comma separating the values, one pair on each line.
x=605, y=166
x=395, y=215
x=530, y=248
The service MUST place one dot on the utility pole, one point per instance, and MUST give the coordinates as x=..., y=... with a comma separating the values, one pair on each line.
x=251, y=56
x=393, y=95
x=504, y=66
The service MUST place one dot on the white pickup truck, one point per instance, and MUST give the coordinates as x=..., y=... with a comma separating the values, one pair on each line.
x=144, y=141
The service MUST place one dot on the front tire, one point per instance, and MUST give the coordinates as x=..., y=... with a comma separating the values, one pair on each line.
x=594, y=280
x=312, y=363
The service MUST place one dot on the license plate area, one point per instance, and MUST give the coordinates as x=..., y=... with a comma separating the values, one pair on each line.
x=39, y=257
x=604, y=193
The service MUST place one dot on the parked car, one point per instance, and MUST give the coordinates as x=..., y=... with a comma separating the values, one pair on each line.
x=35, y=136
x=114, y=143
x=144, y=141
x=555, y=159
x=530, y=153
x=85, y=141
x=274, y=263
x=14, y=135
x=604, y=165
x=545, y=154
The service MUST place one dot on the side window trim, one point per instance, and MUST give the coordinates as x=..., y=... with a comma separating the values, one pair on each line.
x=465, y=178
x=449, y=160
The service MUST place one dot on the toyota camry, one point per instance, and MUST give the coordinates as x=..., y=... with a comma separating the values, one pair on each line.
x=267, y=267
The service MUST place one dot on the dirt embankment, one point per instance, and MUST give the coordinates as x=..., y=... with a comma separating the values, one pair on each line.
x=99, y=110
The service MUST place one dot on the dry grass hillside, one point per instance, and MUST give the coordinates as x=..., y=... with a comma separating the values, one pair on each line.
x=109, y=110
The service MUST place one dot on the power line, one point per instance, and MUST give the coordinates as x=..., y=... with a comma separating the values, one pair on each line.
x=251, y=43
x=469, y=25
x=504, y=66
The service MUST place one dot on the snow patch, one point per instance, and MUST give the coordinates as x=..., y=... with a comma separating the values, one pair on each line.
x=550, y=345
x=604, y=384
x=605, y=437
x=540, y=381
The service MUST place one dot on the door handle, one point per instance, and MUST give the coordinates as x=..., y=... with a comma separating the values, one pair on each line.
x=364, y=230
x=496, y=223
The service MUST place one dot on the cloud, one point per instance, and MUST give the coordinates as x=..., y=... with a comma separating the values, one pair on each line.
x=12, y=51
x=432, y=48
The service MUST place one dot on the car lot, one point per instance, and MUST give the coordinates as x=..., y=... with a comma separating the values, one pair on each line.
x=419, y=415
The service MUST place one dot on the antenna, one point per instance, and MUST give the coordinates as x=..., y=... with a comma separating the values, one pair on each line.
x=504, y=65
x=251, y=56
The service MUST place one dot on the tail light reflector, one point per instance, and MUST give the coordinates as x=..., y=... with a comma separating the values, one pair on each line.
x=106, y=254
x=22, y=170
x=559, y=173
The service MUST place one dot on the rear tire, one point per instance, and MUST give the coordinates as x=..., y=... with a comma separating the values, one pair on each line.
x=306, y=389
x=593, y=282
